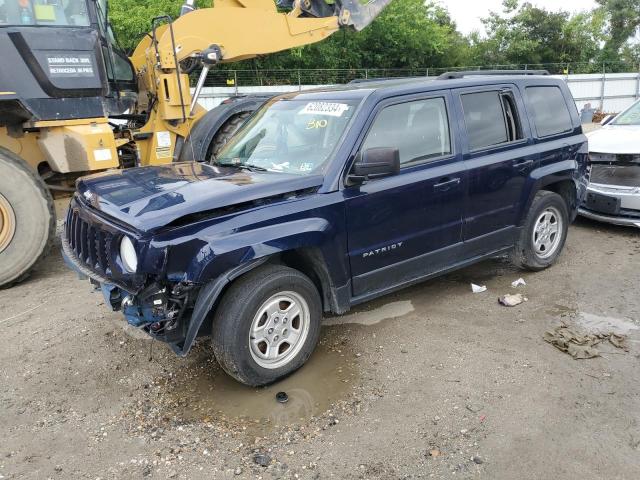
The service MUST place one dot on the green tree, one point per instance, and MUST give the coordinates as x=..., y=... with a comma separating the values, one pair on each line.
x=623, y=21
x=131, y=19
x=525, y=34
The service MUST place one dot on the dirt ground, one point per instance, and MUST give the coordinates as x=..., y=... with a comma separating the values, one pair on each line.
x=431, y=382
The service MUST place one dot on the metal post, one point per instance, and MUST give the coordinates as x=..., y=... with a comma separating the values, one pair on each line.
x=638, y=84
x=199, y=85
x=235, y=80
x=604, y=82
x=299, y=81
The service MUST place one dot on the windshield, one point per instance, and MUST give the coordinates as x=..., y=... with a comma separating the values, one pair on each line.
x=631, y=116
x=292, y=136
x=44, y=12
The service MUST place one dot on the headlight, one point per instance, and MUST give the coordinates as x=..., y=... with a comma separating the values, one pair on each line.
x=128, y=255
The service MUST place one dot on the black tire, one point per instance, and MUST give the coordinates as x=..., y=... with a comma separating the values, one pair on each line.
x=223, y=135
x=234, y=317
x=525, y=254
x=35, y=222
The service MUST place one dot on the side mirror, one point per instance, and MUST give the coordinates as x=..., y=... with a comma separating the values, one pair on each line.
x=375, y=163
x=607, y=120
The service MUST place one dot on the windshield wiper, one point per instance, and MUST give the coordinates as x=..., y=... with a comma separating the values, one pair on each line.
x=252, y=168
x=243, y=166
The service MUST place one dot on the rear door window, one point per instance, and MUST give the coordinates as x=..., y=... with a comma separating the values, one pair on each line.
x=491, y=119
x=418, y=129
x=549, y=111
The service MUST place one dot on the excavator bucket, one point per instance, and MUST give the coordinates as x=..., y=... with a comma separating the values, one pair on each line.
x=355, y=14
x=358, y=14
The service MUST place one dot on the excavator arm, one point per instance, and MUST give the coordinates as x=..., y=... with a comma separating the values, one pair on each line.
x=247, y=28
x=230, y=31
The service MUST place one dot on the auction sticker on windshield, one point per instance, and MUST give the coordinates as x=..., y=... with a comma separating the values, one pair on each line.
x=324, y=108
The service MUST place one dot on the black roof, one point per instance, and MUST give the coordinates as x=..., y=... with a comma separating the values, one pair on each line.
x=408, y=85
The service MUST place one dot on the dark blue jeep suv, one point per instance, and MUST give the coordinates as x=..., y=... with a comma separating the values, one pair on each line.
x=325, y=199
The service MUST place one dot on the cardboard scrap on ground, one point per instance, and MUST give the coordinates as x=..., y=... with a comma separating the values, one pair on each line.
x=512, y=300
x=581, y=345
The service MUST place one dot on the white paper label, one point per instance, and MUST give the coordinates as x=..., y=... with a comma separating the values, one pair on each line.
x=163, y=139
x=102, y=155
x=324, y=108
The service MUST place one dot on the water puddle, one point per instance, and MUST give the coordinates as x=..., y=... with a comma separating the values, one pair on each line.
x=326, y=378
x=600, y=324
x=372, y=317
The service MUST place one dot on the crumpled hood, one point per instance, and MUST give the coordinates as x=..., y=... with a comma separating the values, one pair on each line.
x=617, y=139
x=148, y=198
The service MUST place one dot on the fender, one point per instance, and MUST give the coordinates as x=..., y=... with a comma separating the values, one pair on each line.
x=233, y=249
x=553, y=173
x=206, y=299
x=196, y=146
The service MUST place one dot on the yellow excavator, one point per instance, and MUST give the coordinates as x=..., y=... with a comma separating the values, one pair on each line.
x=72, y=102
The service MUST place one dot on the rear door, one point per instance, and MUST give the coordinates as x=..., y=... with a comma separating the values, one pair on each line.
x=499, y=160
x=404, y=226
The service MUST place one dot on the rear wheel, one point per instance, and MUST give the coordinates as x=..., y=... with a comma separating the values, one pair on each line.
x=544, y=233
x=267, y=325
x=27, y=219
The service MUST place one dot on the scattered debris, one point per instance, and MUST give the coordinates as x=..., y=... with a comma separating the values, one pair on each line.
x=478, y=289
x=434, y=453
x=512, y=300
x=519, y=283
x=477, y=460
x=238, y=471
x=282, y=397
x=581, y=345
x=262, y=459
x=474, y=408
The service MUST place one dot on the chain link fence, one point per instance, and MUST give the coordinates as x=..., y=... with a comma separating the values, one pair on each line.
x=225, y=77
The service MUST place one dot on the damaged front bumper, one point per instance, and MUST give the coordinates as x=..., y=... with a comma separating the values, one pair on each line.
x=164, y=311
x=615, y=204
x=613, y=195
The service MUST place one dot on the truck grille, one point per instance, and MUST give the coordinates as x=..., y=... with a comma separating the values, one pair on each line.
x=621, y=175
x=90, y=244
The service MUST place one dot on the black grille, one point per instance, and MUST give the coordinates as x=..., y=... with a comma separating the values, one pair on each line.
x=622, y=175
x=89, y=243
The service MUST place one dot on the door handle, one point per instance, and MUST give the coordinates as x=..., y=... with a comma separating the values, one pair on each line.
x=446, y=184
x=522, y=166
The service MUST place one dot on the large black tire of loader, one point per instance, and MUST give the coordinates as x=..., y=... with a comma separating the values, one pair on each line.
x=28, y=206
x=223, y=135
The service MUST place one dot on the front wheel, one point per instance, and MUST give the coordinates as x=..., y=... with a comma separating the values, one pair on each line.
x=544, y=233
x=267, y=325
x=27, y=220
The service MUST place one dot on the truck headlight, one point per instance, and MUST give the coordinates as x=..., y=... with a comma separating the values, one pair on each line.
x=128, y=255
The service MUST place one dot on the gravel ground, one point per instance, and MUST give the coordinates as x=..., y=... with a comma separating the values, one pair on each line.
x=431, y=382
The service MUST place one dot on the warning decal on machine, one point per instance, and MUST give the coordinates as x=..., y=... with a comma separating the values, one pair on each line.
x=76, y=65
x=324, y=108
x=163, y=144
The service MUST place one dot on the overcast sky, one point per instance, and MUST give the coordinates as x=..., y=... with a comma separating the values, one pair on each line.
x=467, y=13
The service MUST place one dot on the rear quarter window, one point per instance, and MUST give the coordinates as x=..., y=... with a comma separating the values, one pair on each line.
x=549, y=111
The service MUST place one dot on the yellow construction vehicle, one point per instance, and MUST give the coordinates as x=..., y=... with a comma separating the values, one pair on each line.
x=72, y=102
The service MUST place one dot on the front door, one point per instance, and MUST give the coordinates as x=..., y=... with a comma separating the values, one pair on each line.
x=402, y=227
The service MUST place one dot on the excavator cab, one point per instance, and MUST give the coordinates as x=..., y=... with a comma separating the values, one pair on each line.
x=61, y=49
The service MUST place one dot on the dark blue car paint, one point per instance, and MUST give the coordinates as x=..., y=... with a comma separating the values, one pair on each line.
x=202, y=226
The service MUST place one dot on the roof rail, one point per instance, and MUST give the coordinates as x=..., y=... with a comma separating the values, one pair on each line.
x=378, y=79
x=482, y=73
